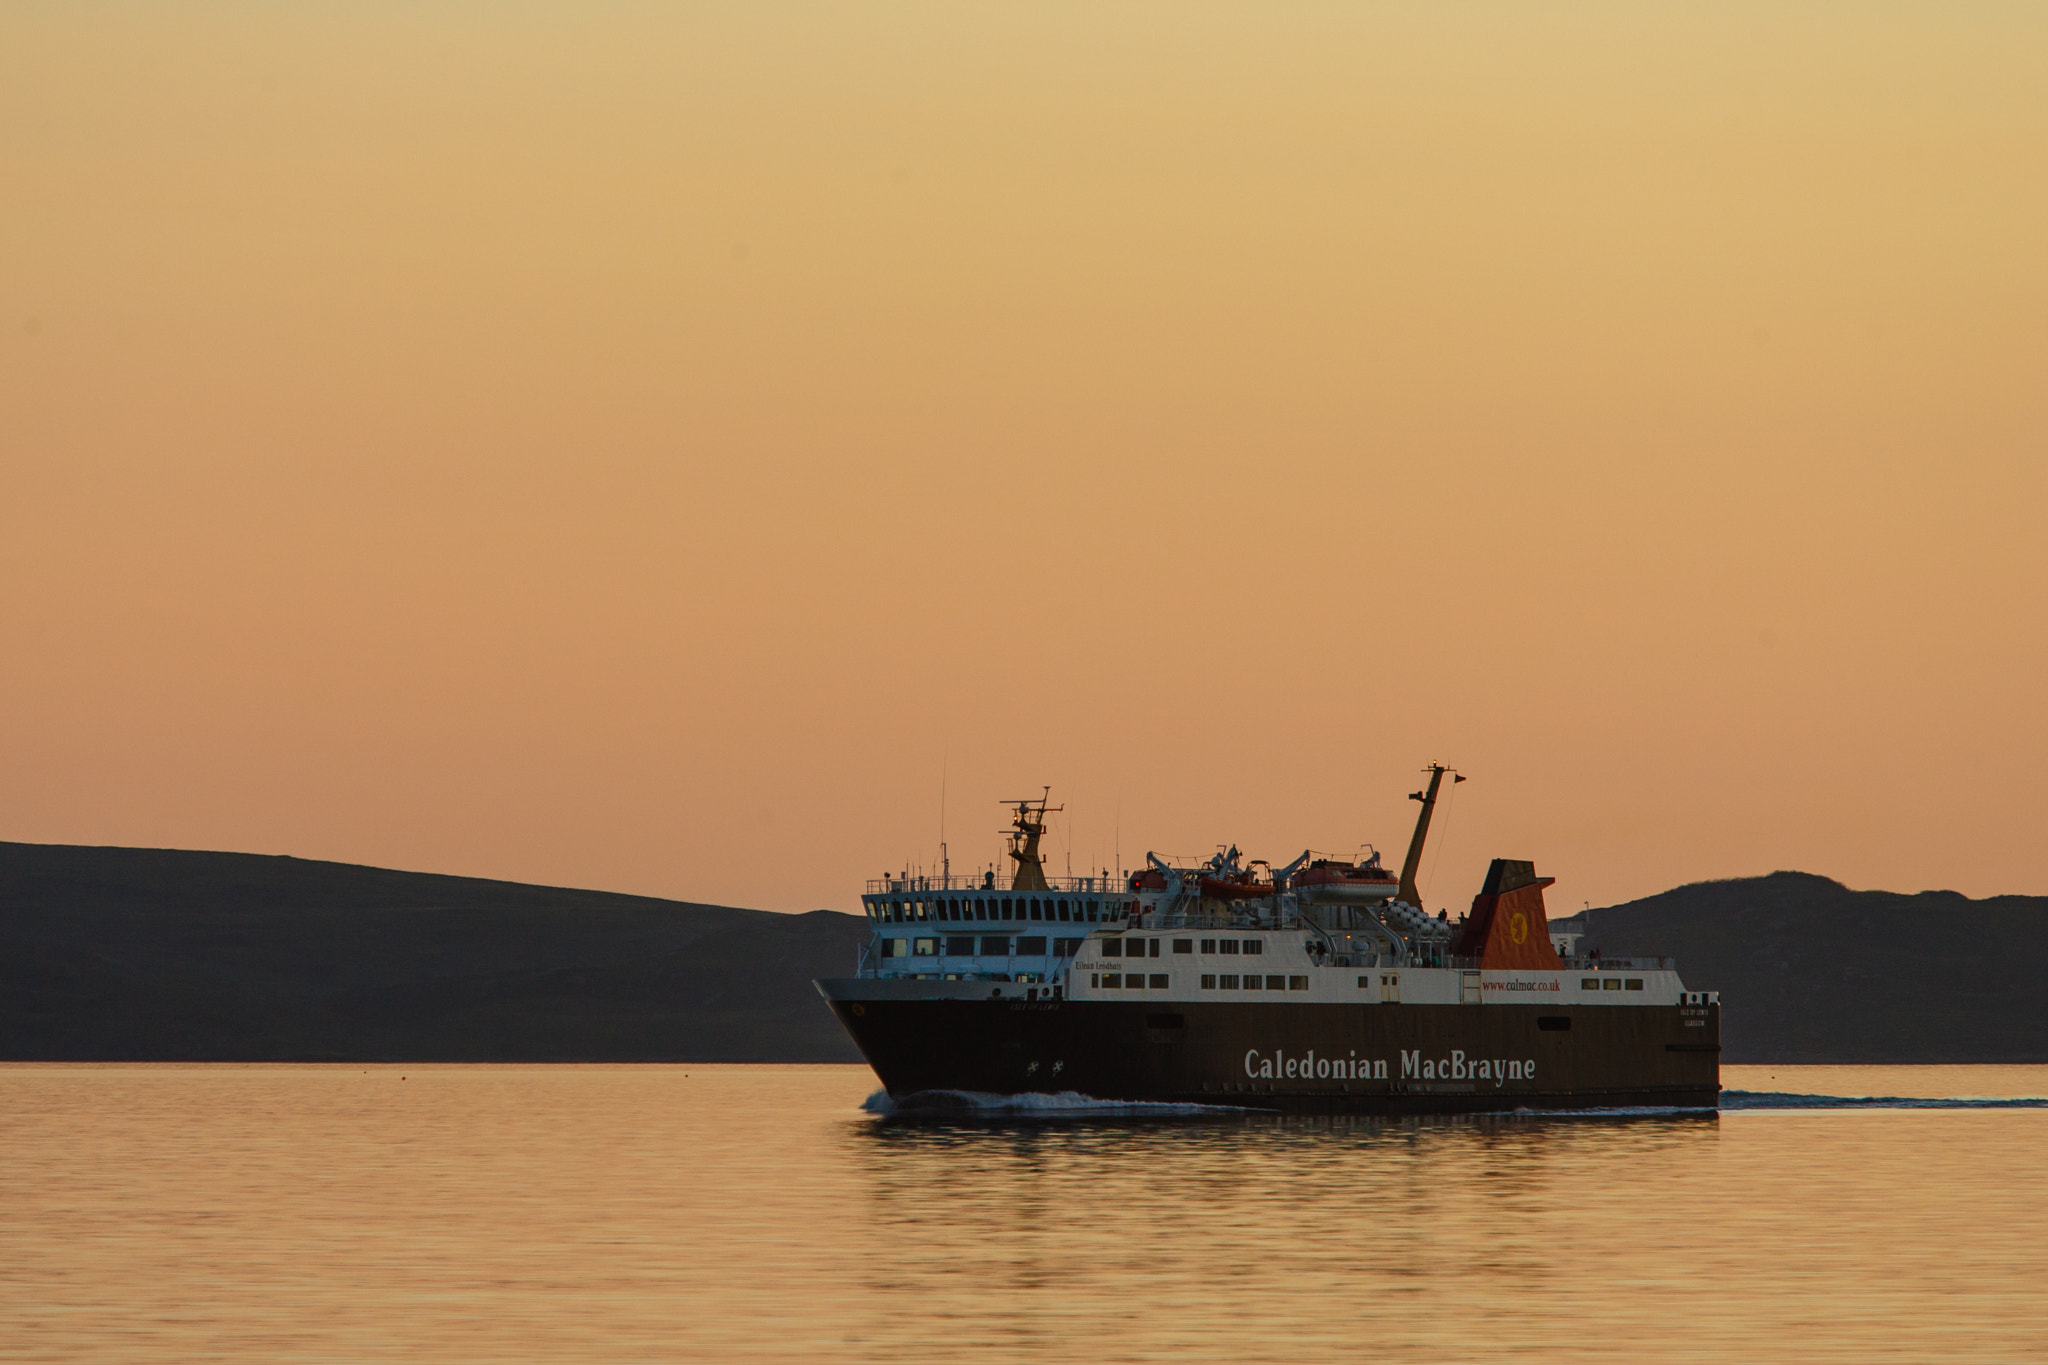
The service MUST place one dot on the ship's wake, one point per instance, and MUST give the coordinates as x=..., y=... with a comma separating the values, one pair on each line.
x=971, y=1104
x=1778, y=1099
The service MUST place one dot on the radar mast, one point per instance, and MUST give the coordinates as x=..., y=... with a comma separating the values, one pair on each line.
x=1025, y=831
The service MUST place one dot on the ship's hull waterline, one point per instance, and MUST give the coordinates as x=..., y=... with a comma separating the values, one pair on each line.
x=1295, y=1057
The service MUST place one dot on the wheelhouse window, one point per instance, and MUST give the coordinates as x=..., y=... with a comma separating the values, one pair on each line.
x=1031, y=947
x=926, y=947
x=995, y=945
x=1067, y=947
x=960, y=947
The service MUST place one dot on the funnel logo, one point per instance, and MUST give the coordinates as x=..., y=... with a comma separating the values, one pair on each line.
x=1518, y=927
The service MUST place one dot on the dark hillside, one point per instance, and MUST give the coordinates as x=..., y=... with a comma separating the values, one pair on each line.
x=1810, y=971
x=113, y=953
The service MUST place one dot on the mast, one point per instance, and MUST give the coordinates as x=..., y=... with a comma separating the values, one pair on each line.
x=1413, y=862
x=1025, y=831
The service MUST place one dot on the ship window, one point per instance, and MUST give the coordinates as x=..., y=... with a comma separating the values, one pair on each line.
x=1612, y=983
x=1110, y=981
x=953, y=910
x=1635, y=983
x=1589, y=983
x=1209, y=981
x=1226, y=983
x=895, y=947
x=960, y=947
x=1066, y=947
x=1297, y=983
x=1006, y=908
x=1158, y=981
x=1031, y=947
x=1277, y=983
x=1155, y=946
x=995, y=946
x=1183, y=945
x=1255, y=945
x=980, y=909
x=1209, y=945
x=927, y=947
x=1112, y=947
x=1251, y=983
x=1363, y=982
x=1228, y=947
x=1094, y=908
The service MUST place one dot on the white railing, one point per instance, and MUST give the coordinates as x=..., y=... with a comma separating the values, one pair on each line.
x=912, y=886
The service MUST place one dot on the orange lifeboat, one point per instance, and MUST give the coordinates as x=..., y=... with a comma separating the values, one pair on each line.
x=1358, y=884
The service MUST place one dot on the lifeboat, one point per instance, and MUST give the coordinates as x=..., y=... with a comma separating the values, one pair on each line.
x=1346, y=883
x=1151, y=879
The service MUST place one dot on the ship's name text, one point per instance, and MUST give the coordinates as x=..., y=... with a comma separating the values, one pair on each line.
x=1414, y=1067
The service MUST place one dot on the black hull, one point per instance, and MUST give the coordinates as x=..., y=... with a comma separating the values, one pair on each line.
x=1357, y=1059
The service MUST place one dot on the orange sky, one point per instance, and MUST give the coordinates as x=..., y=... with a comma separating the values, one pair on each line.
x=643, y=446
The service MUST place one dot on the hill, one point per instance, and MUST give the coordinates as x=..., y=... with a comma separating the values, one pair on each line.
x=147, y=954
x=1810, y=971
x=119, y=953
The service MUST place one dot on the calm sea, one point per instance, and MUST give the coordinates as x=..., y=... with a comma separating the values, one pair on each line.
x=654, y=1213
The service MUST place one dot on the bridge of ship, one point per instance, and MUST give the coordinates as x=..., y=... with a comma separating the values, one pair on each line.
x=933, y=926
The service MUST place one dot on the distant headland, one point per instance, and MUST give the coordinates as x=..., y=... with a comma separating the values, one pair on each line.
x=116, y=954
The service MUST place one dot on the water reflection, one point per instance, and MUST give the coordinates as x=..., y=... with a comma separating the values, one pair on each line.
x=1046, y=1227
x=755, y=1213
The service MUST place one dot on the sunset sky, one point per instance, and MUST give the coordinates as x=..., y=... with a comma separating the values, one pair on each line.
x=656, y=447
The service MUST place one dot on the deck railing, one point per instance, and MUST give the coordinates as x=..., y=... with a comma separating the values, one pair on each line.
x=914, y=886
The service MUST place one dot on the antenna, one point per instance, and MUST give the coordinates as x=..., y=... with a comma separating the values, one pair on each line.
x=945, y=862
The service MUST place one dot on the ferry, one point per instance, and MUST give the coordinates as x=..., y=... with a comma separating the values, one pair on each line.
x=1317, y=986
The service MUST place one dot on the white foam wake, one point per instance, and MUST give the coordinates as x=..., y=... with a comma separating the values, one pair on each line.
x=1777, y=1099
x=1064, y=1104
